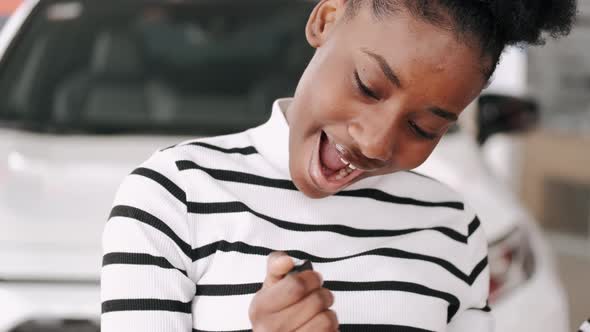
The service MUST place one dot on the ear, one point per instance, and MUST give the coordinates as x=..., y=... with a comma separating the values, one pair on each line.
x=322, y=20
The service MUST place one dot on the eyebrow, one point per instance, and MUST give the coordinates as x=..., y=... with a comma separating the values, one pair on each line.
x=450, y=116
x=389, y=73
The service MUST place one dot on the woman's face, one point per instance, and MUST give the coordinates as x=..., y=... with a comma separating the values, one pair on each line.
x=378, y=94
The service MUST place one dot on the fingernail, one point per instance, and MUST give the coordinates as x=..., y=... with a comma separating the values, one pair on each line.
x=279, y=257
x=321, y=279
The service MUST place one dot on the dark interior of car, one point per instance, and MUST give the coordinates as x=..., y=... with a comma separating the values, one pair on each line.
x=154, y=67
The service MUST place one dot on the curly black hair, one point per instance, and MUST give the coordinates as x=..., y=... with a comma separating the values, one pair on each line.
x=492, y=24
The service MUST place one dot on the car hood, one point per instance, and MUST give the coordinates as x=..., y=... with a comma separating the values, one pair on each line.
x=23, y=302
x=56, y=193
x=52, y=263
x=458, y=162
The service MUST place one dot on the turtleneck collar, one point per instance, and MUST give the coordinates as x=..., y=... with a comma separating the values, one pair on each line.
x=272, y=138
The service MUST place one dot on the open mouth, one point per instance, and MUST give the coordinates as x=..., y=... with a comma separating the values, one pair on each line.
x=329, y=170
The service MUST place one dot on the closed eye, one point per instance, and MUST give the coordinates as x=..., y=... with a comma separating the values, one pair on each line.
x=364, y=89
x=421, y=133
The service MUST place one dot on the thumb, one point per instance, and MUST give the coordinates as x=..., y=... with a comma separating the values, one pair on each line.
x=277, y=266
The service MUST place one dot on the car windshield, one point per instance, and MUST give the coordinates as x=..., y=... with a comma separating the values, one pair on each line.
x=169, y=67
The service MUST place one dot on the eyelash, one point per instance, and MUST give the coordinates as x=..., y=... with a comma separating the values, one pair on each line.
x=420, y=132
x=363, y=88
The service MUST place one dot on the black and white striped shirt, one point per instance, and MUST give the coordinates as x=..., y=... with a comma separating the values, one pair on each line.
x=186, y=243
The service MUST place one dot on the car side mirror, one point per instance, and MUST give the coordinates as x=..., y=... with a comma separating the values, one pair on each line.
x=505, y=114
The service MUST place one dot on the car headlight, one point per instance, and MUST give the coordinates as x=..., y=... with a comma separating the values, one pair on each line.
x=511, y=262
x=58, y=325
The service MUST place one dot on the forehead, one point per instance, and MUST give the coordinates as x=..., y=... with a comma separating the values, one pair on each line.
x=425, y=56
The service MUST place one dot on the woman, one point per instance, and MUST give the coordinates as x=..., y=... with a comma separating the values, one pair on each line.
x=325, y=180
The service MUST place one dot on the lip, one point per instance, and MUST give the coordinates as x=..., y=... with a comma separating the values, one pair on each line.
x=321, y=181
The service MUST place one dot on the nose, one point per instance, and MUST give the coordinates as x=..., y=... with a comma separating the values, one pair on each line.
x=374, y=137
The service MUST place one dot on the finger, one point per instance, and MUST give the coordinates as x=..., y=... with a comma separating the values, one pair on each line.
x=288, y=291
x=303, y=311
x=277, y=266
x=326, y=321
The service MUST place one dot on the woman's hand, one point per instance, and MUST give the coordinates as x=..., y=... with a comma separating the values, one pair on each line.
x=295, y=302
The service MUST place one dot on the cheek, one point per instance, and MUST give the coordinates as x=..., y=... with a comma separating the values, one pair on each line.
x=328, y=86
x=412, y=154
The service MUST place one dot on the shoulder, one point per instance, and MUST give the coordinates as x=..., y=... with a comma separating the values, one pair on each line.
x=431, y=203
x=204, y=159
x=153, y=186
x=455, y=234
x=473, y=261
x=426, y=191
x=429, y=184
x=232, y=144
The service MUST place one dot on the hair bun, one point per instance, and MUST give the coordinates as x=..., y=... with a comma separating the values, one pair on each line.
x=519, y=21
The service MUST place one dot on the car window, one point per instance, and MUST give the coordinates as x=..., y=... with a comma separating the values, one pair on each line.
x=207, y=67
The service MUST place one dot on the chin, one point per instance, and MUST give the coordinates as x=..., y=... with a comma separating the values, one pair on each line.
x=306, y=186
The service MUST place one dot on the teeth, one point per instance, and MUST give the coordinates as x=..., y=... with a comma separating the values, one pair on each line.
x=343, y=172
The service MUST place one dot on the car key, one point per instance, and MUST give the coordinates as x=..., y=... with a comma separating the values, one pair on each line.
x=305, y=266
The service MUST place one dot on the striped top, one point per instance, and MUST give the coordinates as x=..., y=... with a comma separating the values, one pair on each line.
x=186, y=242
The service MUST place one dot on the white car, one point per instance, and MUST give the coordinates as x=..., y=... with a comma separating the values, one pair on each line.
x=521, y=263
x=89, y=89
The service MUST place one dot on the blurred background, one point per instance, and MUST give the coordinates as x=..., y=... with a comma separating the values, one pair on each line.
x=89, y=89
